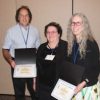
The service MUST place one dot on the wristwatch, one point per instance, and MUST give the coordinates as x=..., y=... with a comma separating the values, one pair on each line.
x=86, y=80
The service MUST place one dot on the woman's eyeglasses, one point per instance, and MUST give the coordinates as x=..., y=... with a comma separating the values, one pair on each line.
x=76, y=23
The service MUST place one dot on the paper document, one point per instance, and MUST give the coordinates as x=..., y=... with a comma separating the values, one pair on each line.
x=25, y=71
x=63, y=90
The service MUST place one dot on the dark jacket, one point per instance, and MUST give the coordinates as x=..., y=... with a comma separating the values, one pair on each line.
x=48, y=71
x=90, y=63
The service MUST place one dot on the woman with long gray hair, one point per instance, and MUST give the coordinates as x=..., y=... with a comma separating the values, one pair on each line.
x=84, y=51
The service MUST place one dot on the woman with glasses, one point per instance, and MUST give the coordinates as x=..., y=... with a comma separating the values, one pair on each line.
x=83, y=50
x=49, y=57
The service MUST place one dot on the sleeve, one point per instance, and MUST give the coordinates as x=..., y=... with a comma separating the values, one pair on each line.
x=61, y=56
x=91, y=63
x=7, y=41
x=39, y=60
x=64, y=51
x=37, y=43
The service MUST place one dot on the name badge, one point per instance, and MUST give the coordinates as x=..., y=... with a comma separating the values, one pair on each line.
x=49, y=57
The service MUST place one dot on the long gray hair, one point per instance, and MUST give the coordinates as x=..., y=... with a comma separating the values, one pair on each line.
x=86, y=34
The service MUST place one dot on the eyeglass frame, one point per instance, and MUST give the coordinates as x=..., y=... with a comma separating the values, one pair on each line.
x=76, y=23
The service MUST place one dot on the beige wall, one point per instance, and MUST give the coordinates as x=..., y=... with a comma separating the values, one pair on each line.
x=7, y=11
x=91, y=8
x=44, y=11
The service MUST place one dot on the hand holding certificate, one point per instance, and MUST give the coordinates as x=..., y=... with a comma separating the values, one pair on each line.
x=72, y=74
x=63, y=90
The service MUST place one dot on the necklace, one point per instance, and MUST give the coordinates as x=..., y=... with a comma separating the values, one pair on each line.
x=52, y=49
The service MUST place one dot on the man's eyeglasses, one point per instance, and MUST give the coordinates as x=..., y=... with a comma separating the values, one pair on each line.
x=76, y=23
x=51, y=32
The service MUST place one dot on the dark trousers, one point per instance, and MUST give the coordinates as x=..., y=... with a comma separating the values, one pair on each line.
x=44, y=92
x=19, y=87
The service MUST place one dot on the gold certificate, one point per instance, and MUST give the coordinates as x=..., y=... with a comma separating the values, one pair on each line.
x=63, y=90
x=25, y=71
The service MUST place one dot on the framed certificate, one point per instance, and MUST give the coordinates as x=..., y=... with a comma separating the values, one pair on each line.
x=63, y=90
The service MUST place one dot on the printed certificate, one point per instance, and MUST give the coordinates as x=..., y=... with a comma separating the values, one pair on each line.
x=63, y=90
x=25, y=71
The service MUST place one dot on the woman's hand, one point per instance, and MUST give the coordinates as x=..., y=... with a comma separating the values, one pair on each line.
x=79, y=87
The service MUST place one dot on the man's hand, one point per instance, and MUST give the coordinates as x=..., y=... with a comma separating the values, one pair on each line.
x=34, y=83
x=12, y=63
